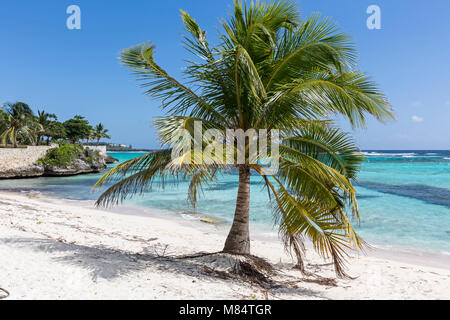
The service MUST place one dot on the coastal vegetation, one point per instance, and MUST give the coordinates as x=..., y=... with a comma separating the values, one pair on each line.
x=19, y=126
x=61, y=152
x=72, y=159
x=64, y=155
x=17, y=122
x=269, y=70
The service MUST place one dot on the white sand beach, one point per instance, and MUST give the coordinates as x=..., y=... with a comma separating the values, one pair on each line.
x=56, y=249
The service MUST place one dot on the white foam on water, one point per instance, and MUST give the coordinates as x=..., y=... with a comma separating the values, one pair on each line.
x=389, y=154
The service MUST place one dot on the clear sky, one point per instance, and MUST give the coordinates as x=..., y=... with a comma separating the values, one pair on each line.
x=70, y=72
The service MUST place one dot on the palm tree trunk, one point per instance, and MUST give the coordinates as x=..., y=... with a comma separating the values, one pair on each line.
x=15, y=139
x=238, y=240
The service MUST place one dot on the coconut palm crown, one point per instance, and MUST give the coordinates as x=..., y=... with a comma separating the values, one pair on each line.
x=44, y=121
x=18, y=121
x=100, y=132
x=269, y=70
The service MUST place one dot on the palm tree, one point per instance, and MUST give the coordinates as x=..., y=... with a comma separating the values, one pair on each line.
x=44, y=120
x=100, y=132
x=270, y=70
x=91, y=135
x=18, y=122
x=2, y=121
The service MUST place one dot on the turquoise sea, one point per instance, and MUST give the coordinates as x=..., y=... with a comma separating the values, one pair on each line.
x=404, y=197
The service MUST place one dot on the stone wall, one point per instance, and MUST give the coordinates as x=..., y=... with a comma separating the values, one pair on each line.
x=15, y=158
x=101, y=149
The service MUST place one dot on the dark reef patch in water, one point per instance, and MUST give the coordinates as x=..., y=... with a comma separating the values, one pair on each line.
x=431, y=195
x=361, y=196
x=231, y=185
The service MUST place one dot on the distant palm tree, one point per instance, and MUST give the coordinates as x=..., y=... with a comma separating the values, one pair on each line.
x=100, y=132
x=270, y=70
x=18, y=122
x=44, y=119
x=2, y=121
x=91, y=135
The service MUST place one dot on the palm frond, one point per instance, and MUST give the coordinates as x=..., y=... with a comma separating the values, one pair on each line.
x=201, y=177
x=175, y=96
x=350, y=94
x=8, y=134
x=298, y=216
x=133, y=176
x=316, y=43
x=198, y=45
x=327, y=144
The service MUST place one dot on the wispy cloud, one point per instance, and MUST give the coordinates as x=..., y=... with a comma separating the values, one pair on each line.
x=416, y=103
x=417, y=119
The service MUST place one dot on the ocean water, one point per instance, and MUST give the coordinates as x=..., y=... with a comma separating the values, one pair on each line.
x=404, y=198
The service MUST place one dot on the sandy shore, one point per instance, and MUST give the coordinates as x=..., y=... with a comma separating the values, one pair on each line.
x=51, y=249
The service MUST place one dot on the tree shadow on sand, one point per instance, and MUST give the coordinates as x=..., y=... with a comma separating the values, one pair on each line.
x=107, y=263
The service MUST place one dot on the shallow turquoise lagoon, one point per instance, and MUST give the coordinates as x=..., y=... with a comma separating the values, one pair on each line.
x=404, y=197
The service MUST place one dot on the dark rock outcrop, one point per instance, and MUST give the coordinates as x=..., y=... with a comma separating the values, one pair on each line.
x=109, y=159
x=35, y=170
x=88, y=161
x=78, y=166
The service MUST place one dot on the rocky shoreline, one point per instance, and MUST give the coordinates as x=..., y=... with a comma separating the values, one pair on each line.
x=39, y=170
x=87, y=162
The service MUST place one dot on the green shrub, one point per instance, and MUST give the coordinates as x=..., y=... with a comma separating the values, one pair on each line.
x=62, y=156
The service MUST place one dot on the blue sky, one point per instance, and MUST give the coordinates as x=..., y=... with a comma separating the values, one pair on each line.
x=70, y=72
